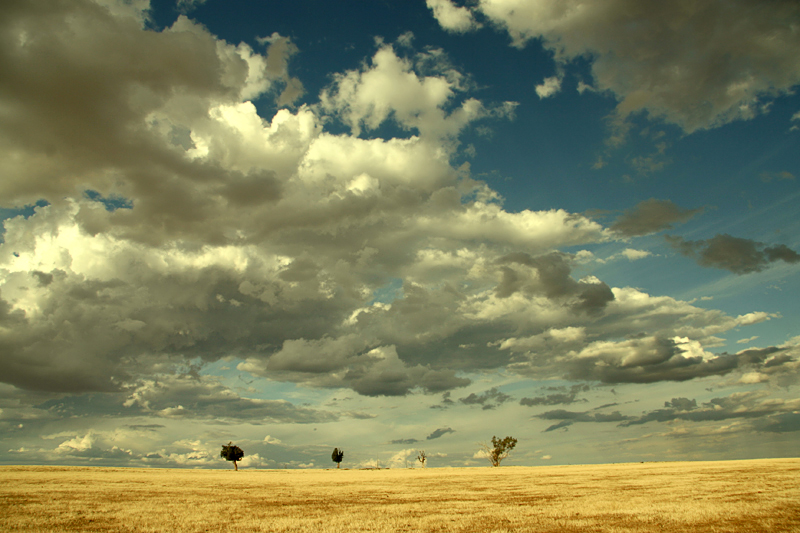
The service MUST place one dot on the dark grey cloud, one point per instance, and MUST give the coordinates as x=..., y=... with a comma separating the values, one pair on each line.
x=403, y=441
x=189, y=397
x=445, y=403
x=783, y=423
x=765, y=414
x=145, y=427
x=564, y=424
x=567, y=418
x=606, y=405
x=557, y=398
x=740, y=256
x=652, y=359
x=695, y=65
x=550, y=399
x=550, y=275
x=183, y=397
x=771, y=414
x=651, y=216
x=140, y=320
x=487, y=400
x=344, y=362
x=439, y=432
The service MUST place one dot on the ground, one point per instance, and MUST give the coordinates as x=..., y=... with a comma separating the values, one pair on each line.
x=734, y=496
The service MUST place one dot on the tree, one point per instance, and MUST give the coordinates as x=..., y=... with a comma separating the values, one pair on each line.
x=337, y=456
x=499, y=450
x=232, y=453
x=422, y=457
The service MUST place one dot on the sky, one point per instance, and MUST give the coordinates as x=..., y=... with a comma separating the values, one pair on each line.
x=391, y=226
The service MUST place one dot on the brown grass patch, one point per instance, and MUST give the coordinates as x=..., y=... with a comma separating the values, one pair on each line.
x=730, y=496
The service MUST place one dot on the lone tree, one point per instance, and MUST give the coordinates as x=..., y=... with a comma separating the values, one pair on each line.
x=422, y=457
x=499, y=450
x=337, y=456
x=232, y=453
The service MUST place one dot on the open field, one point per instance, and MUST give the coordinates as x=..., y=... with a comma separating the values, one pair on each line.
x=735, y=496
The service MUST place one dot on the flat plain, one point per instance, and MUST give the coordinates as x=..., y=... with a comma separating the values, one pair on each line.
x=735, y=496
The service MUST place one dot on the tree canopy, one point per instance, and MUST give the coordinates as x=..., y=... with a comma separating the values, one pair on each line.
x=499, y=450
x=231, y=452
x=337, y=456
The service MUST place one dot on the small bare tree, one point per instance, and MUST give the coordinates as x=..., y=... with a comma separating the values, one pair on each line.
x=499, y=450
x=422, y=457
x=337, y=456
x=232, y=453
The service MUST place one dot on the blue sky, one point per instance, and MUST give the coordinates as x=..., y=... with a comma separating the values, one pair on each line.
x=398, y=226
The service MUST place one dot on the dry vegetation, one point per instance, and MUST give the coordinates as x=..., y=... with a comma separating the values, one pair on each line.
x=737, y=496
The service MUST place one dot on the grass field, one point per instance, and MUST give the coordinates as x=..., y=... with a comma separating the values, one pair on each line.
x=735, y=496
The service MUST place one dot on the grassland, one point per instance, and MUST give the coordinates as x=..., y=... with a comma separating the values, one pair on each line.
x=735, y=496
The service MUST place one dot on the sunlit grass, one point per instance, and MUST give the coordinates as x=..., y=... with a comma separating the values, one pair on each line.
x=735, y=496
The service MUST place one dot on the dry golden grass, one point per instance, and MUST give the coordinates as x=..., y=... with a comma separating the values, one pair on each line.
x=735, y=496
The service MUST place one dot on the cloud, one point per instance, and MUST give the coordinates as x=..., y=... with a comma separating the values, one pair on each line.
x=487, y=399
x=740, y=256
x=566, y=397
x=651, y=216
x=764, y=414
x=767, y=177
x=91, y=115
x=737, y=59
x=184, y=228
x=452, y=18
x=400, y=459
x=775, y=415
x=550, y=274
x=145, y=427
x=549, y=87
x=123, y=447
x=439, y=432
x=781, y=423
x=634, y=255
x=567, y=418
x=187, y=6
x=646, y=358
x=205, y=398
x=445, y=403
x=390, y=88
x=651, y=359
x=403, y=441
x=253, y=460
x=376, y=372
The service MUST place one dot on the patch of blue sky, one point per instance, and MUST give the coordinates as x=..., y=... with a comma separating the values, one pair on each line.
x=249, y=386
x=111, y=203
x=26, y=212
x=388, y=293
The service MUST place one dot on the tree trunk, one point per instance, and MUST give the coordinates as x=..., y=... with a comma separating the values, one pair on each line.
x=235, y=467
x=337, y=465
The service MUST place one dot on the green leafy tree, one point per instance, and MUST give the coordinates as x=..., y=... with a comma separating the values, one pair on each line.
x=499, y=449
x=232, y=453
x=337, y=456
